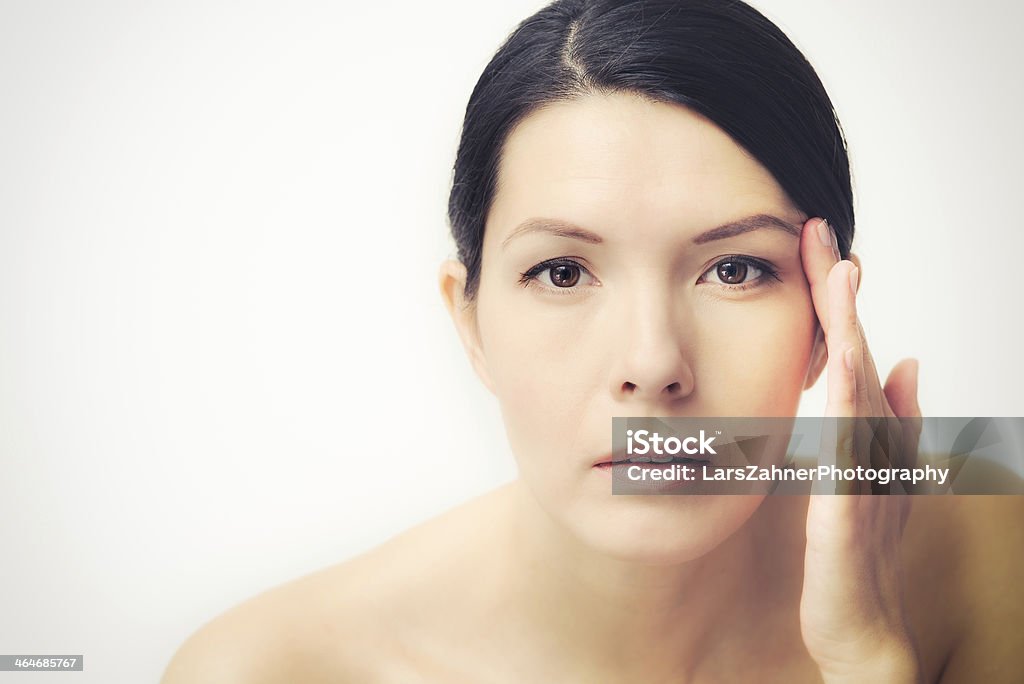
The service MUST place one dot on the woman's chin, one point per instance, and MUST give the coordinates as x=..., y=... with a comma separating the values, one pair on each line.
x=662, y=530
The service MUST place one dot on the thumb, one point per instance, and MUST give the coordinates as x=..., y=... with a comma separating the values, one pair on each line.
x=901, y=389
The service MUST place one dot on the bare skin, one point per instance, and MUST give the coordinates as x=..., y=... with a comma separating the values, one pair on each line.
x=450, y=601
x=550, y=578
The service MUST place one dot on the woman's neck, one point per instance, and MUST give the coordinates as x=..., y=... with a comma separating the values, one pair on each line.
x=642, y=619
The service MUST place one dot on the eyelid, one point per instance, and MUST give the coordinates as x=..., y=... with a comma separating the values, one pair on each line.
x=531, y=276
x=768, y=271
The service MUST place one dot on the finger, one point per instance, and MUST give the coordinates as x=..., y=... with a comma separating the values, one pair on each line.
x=874, y=444
x=879, y=435
x=871, y=443
x=843, y=344
x=901, y=390
x=818, y=254
x=843, y=302
x=873, y=384
x=843, y=334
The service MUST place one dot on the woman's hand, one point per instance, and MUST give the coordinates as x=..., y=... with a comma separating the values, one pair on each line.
x=851, y=610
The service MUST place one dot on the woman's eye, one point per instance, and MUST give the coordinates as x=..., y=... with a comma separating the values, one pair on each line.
x=737, y=273
x=557, y=275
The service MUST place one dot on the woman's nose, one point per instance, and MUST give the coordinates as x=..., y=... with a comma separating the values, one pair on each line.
x=653, y=353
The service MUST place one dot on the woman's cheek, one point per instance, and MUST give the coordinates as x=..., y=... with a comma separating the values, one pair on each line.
x=761, y=370
x=532, y=383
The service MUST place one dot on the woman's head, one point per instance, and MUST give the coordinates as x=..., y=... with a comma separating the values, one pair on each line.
x=612, y=156
x=721, y=58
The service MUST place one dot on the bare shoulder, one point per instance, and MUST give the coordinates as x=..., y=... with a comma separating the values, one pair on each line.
x=963, y=558
x=349, y=622
x=990, y=647
x=230, y=649
x=263, y=639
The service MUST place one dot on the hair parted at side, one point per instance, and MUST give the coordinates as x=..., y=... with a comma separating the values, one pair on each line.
x=721, y=58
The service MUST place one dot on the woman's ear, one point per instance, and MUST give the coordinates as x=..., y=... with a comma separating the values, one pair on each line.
x=452, y=280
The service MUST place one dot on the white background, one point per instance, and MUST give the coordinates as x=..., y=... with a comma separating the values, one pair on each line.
x=220, y=228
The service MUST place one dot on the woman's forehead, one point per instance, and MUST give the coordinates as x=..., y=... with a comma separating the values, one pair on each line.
x=621, y=156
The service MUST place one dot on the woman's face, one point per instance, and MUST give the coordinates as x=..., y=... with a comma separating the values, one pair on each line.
x=600, y=296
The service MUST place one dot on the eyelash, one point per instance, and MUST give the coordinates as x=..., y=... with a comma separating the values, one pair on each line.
x=528, y=278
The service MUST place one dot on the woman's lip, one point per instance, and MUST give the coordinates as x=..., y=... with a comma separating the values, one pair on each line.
x=625, y=461
x=610, y=458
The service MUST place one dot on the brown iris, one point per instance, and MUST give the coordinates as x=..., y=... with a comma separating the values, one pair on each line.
x=565, y=275
x=732, y=272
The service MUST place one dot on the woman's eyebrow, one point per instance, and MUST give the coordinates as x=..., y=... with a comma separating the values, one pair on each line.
x=745, y=225
x=566, y=229
x=554, y=227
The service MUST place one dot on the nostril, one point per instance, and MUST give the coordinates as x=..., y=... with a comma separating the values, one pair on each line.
x=674, y=388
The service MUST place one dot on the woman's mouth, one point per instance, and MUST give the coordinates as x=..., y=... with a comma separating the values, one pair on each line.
x=608, y=464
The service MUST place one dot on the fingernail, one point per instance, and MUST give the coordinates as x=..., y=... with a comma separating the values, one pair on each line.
x=854, y=275
x=848, y=359
x=824, y=234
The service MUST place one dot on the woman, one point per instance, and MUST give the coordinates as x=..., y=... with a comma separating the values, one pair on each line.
x=638, y=204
